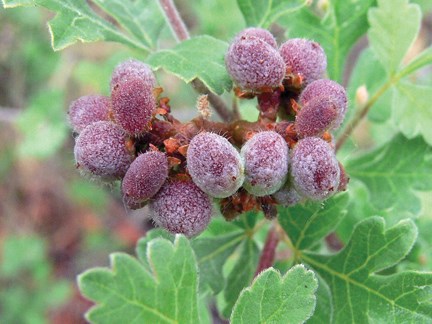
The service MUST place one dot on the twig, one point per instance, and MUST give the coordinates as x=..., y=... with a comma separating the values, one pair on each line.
x=181, y=33
x=268, y=252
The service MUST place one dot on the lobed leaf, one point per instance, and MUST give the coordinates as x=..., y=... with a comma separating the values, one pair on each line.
x=393, y=172
x=166, y=292
x=200, y=57
x=359, y=294
x=273, y=298
x=394, y=26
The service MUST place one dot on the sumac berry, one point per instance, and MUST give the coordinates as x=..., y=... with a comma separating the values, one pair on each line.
x=132, y=69
x=87, y=110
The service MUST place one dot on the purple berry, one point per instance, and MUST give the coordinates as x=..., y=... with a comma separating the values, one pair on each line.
x=254, y=64
x=316, y=116
x=87, y=110
x=132, y=69
x=100, y=151
x=314, y=169
x=304, y=57
x=260, y=33
x=215, y=165
x=327, y=89
x=133, y=105
x=181, y=207
x=144, y=178
x=265, y=158
x=287, y=195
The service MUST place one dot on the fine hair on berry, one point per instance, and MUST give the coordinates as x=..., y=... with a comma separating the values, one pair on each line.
x=132, y=69
x=260, y=33
x=87, y=110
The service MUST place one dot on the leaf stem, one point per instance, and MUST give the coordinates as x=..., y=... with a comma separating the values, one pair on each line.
x=181, y=33
x=269, y=250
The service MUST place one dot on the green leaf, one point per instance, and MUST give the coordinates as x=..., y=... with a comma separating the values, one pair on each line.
x=394, y=26
x=241, y=275
x=43, y=125
x=76, y=21
x=201, y=57
x=141, y=18
x=393, y=172
x=359, y=294
x=211, y=253
x=167, y=293
x=343, y=24
x=273, y=298
x=324, y=307
x=412, y=111
x=263, y=13
x=421, y=60
x=307, y=224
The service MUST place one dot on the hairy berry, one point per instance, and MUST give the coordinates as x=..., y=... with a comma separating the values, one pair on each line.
x=314, y=169
x=254, y=64
x=266, y=158
x=287, y=195
x=260, y=33
x=181, y=207
x=87, y=110
x=144, y=178
x=133, y=105
x=132, y=69
x=215, y=165
x=100, y=151
x=327, y=90
x=304, y=57
x=316, y=116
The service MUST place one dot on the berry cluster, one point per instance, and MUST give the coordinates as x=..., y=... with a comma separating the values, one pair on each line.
x=178, y=169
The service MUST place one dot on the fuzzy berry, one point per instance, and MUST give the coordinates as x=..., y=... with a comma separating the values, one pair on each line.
x=132, y=69
x=133, y=105
x=181, y=207
x=101, y=152
x=87, y=110
x=144, y=178
x=314, y=169
x=254, y=64
x=260, y=33
x=304, y=57
x=265, y=157
x=287, y=195
x=215, y=165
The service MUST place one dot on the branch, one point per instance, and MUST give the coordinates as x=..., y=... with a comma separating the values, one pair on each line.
x=181, y=33
x=268, y=252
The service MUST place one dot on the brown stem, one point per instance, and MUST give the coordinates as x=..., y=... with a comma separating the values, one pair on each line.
x=181, y=33
x=268, y=252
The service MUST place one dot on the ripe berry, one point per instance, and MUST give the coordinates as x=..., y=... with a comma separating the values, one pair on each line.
x=87, y=110
x=265, y=157
x=131, y=69
x=316, y=116
x=314, y=169
x=304, y=57
x=144, y=178
x=181, y=207
x=133, y=105
x=260, y=33
x=100, y=151
x=215, y=165
x=254, y=64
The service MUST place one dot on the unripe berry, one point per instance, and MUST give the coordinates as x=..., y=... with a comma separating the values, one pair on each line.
x=287, y=195
x=327, y=89
x=87, y=110
x=101, y=152
x=265, y=158
x=215, y=165
x=133, y=104
x=260, y=33
x=144, y=178
x=314, y=169
x=316, y=116
x=304, y=57
x=254, y=64
x=181, y=207
x=132, y=69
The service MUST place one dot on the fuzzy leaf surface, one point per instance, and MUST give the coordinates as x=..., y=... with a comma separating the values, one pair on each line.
x=394, y=25
x=273, y=298
x=393, y=172
x=163, y=292
x=202, y=57
x=359, y=294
